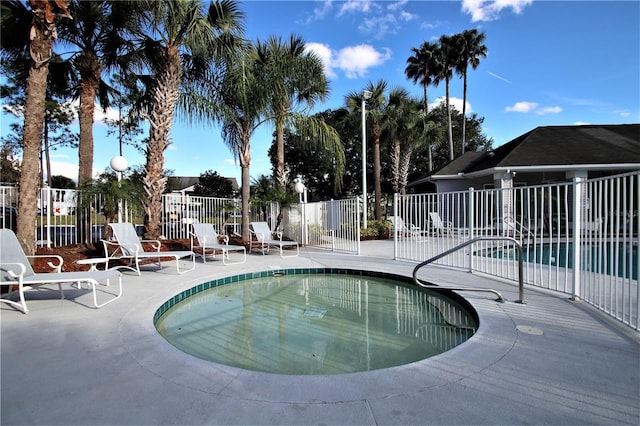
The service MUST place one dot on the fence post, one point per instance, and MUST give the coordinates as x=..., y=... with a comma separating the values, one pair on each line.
x=358, y=223
x=395, y=228
x=471, y=217
x=579, y=203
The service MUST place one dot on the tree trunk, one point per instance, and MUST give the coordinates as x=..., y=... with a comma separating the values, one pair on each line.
x=377, y=172
x=90, y=70
x=165, y=97
x=405, y=161
x=245, y=160
x=281, y=172
x=464, y=111
x=449, y=128
x=34, y=109
x=394, y=157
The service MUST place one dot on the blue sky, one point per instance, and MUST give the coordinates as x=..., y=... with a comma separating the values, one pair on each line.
x=548, y=63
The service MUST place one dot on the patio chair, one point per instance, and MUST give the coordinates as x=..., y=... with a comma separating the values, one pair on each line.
x=208, y=239
x=440, y=226
x=129, y=246
x=404, y=229
x=264, y=239
x=16, y=271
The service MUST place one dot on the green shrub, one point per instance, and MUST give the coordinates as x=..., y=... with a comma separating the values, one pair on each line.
x=376, y=229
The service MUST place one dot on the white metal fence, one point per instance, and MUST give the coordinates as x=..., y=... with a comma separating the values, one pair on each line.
x=332, y=225
x=589, y=223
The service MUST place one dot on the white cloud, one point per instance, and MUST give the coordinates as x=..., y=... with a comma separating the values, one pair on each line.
x=623, y=113
x=522, y=107
x=533, y=107
x=489, y=10
x=65, y=169
x=320, y=12
x=454, y=102
x=230, y=161
x=354, y=6
x=324, y=53
x=355, y=61
x=549, y=110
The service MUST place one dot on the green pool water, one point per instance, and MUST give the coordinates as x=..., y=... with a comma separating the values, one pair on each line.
x=315, y=323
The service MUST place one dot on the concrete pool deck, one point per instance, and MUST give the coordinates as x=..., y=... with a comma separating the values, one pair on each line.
x=548, y=361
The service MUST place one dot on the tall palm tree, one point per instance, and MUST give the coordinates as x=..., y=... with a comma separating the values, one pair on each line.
x=242, y=103
x=40, y=42
x=375, y=110
x=472, y=50
x=91, y=34
x=182, y=42
x=403, y=127
x=95, y=37
x=447, y=58
x=296, y=77
x=421, y=67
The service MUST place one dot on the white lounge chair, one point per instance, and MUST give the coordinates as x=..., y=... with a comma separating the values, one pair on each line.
x=129, y=246
x=16, y=271
x=264, y=239
x=440, y=226
x=404, y=229
x=208, y=239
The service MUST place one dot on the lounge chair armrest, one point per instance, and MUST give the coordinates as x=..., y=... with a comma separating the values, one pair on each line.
x=278, y=235
x=225, y=239
x=19, y=267
x=259, y=235
x=57, y=267
x=106, y=244
x=154, y=243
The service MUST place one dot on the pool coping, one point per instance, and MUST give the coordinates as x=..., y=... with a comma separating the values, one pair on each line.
x=494, y=338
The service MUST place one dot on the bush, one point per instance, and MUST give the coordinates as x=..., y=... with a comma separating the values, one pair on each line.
x=376, y=230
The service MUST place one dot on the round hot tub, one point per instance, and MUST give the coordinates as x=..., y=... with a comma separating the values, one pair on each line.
x=315, y=321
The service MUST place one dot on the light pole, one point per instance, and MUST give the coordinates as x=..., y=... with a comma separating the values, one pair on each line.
x=302, y=193
x=119, y=164
x=365, y=95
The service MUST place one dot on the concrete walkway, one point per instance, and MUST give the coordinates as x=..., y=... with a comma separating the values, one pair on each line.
x=549, y=361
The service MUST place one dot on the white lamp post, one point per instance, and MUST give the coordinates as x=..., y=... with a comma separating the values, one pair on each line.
x=119, y=164
x=302, y=193
x=365, y=95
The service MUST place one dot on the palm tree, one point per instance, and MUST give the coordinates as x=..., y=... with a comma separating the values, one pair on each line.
x=296, y=77
x=402, y=128
x=241, y=105
x=40, y=42
x=375, y=110
x=472, y=51
x=422, y=67
x=182, y=41
x=447, y=59
x=93, y=34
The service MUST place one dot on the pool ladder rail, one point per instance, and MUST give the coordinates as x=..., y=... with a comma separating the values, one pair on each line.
x=463, y=245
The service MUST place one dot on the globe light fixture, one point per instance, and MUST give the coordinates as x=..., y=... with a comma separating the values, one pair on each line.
x=119, y=164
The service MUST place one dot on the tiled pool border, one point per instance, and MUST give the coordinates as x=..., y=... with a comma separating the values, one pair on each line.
x=270, y=273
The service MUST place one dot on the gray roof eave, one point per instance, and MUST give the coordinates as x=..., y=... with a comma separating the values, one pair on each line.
x=541, y=168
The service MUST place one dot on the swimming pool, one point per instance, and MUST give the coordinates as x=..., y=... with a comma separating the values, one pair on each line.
x=314, y=321
x=606, y=257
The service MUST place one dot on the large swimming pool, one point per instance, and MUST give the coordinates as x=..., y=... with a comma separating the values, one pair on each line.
x=314, y=321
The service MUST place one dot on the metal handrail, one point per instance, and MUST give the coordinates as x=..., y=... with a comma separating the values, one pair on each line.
x=468, y=243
